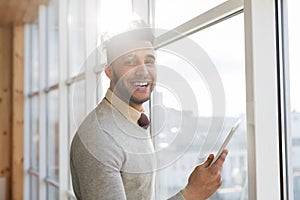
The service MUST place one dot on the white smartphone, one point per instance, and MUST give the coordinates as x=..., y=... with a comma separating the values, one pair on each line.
x=227, y=139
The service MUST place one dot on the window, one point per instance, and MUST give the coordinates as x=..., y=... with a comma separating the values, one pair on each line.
x=34, y=38
x=34, y=188
x=76, y=17
x=34, y=130
x=187, y=127
x=224, y=43
x=169, y=15
x=52, y=43
x=52, y=136
x=108, y=25
x=76, y=82
x=33, y=106
x=52, y=101
x=77, y=108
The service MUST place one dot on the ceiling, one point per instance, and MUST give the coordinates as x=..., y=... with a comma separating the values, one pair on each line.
x=18, y=11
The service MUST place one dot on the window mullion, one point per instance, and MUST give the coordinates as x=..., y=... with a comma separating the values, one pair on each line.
x=27, y=111
x=63, y=101
x=204, y=20
x=90, y=53
x=42, y=102
x=262, y=100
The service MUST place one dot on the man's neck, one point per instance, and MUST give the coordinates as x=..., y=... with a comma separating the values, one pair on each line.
x=138, y=107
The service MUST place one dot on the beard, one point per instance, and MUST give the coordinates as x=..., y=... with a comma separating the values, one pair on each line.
x=124, y=93
x=138, y=101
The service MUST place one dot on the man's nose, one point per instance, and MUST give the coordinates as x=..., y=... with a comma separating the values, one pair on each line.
x=142, y=70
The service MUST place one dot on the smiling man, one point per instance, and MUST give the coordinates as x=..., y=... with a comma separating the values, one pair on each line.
x=112, y=155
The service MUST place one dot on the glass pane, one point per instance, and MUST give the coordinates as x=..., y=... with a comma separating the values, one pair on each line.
x=52, y=193
x=76, y=36
x=200, y=94
x=169, y=15
x=52, y=135
x=108, y=21
x=77, y=106
x=52, y=37
x=34, y=188
x=34, y=131
x=76, y=111
x=294, y=61
x=34, y=57
x=102, y=85
x=108, y=25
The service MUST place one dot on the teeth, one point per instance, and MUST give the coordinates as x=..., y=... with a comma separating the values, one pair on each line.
x=141, y=84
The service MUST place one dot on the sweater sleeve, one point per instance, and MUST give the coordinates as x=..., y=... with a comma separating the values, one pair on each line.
x=91, y=178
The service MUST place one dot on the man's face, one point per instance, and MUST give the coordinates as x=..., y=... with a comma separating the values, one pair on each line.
x=133, y=76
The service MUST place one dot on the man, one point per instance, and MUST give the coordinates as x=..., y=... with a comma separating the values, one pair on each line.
x=112, y=155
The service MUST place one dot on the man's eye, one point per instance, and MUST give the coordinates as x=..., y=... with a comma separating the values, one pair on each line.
x=149, y=63
x=129, y=62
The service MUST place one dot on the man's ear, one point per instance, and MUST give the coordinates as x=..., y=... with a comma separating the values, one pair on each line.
x=108, y=72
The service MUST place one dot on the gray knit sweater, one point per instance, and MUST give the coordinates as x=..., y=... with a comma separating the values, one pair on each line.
x=112, y=158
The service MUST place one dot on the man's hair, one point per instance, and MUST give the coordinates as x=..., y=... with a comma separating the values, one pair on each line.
x=138, y=32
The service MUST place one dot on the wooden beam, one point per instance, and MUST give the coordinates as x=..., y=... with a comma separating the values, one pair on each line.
x=16, y=12
x=5, y=107
x=32, y=10
x=12, y=11
x=18, y=113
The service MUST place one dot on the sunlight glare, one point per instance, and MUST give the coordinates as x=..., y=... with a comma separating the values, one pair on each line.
x=116, y=16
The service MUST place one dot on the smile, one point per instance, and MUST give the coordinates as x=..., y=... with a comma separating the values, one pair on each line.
x=141, y=84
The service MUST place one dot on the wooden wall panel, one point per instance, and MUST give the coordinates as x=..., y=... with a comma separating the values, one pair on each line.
x=17, y=12
x=18, y=113
x=5, y=106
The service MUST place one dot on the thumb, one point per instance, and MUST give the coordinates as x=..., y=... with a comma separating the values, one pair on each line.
x=208, y=161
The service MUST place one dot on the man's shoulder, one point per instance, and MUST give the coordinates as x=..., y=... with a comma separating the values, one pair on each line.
x=97, y=118
x=102, y=121
x=96, y=138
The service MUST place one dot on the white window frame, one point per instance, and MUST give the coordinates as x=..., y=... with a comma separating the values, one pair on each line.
x=262, y=100
x=63, y=103
x=285, y=100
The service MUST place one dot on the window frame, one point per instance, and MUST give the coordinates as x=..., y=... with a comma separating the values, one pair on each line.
x=262, y=113
x=285, y=100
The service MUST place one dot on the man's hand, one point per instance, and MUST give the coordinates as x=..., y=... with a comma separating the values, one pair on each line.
x=205, y=179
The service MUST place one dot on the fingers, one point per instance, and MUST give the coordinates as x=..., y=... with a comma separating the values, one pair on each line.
x=219, y=162
x=208, y=161
x=205, y=179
